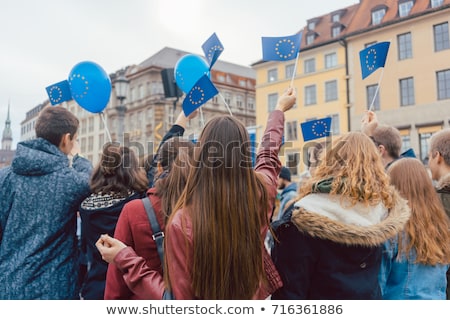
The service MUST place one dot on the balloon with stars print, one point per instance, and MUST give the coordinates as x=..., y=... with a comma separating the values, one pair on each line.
x=188, y=70
x=90, y=86
x=59, y=92
x=201, y=92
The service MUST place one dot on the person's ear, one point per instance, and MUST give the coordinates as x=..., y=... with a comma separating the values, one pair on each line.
x=64, y=144
x=438, y=157
x=381, y=149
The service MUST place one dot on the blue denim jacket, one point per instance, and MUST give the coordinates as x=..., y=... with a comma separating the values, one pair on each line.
x=402, y=279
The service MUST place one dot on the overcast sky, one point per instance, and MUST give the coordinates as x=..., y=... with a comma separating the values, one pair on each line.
x=41, y=40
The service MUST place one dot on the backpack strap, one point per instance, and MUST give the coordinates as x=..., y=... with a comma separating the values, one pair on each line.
x=158, y=235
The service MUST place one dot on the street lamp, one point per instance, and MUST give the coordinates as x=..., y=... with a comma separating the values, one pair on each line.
x=121, y=85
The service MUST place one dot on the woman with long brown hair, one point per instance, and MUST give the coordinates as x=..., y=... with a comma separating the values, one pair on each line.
x=214, y=239
x=416, y=261
x=331, y=246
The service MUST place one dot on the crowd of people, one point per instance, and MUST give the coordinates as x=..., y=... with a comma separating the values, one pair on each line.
x=363, y=222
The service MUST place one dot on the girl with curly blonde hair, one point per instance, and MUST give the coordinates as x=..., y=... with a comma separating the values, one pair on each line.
x=330, y=246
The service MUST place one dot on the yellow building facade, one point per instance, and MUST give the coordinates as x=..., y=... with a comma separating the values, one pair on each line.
x=414, y=92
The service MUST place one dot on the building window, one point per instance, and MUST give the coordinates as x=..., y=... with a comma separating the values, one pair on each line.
x=377, y=16
x=310, y=65
x=443, y=84
x=406, y=142
x=141, y=89
x=404, y=46
x=310, y=95
x=83, y=145
x=83, y=126
x=101, y=140
x=90, y=144
x=335, y=126
x=311, y=25
x=239, y=103
x=289, y=71
x=370, y=90
x=331, y=90
x=436, y=3
x=250, y=103
x=272, y=75
x=272, y=101
x=293, y=159
x=424, y=138
x=441, y=40
x=310, y=38
x=228, y=98
x=91, y=124
x=404, y=8
x=407, y=92
x=291, y=130
x=335, y=17
x=336, y=31
x=330, y=60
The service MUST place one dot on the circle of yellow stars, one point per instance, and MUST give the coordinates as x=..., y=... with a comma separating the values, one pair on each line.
x=214, y=49
x=372, y=52
x=285, y=54
x=86, y=85
x=58, y=92
x=322, y=132
x=198, y=92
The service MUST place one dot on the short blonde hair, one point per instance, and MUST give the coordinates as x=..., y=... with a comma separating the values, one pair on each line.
x=440, y=142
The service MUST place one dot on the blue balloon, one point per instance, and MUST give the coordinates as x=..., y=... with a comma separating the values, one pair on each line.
x=90, y=86
x=188, y=70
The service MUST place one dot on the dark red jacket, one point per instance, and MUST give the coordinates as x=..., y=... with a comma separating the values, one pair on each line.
x=132, y=277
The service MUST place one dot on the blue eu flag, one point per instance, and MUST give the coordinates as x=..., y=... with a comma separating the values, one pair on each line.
x=213, y=49
x=373, y=57
x=59, y=92
x=281, y=48
x=201, y=92
x=316, y=129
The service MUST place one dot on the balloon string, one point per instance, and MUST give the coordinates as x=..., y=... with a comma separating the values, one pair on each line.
x=226, y=104
x=102, y=115
x=202, y=119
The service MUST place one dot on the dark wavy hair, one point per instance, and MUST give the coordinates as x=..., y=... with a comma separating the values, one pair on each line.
x=118, y=171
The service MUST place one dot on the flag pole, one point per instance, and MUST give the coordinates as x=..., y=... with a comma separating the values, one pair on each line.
x=295, y=70
x=376, y=91
x=226, y=104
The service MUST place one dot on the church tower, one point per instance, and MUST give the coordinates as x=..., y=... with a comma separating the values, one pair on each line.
x=7, y=134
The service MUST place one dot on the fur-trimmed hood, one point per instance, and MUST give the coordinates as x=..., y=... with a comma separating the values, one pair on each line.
x=320, y=226
x=444, y=182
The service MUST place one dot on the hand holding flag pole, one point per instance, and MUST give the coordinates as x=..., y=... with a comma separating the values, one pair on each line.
x=372, y=58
